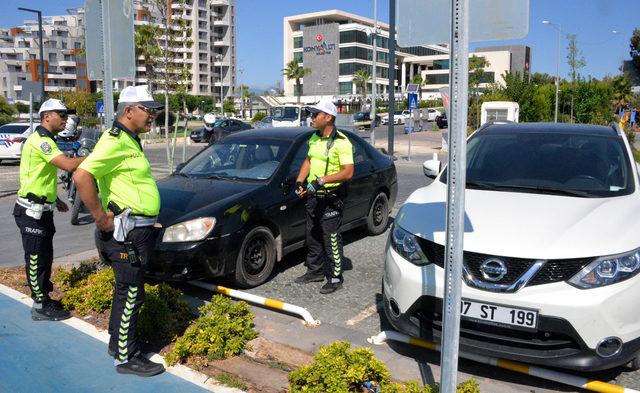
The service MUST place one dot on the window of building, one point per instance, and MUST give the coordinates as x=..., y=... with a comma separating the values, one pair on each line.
x=439, y=65
x=437, y=79
x=297, y=42
x=297, y=56
x=346, y=87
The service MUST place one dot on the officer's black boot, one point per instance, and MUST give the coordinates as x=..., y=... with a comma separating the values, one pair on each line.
x=310, y=277
x=140, y=366
x=332, y=285
x=49, y=311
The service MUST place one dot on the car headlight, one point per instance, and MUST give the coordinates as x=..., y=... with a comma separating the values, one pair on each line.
x=189, y=231
x=608, y=270
x=406, y=244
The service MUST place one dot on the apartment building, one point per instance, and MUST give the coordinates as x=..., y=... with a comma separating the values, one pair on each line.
x=64, y=64
x=212, y=56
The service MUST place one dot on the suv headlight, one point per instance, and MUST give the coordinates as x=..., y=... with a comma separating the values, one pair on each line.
x=406, y=244
x=608, y=270
x=189, y=231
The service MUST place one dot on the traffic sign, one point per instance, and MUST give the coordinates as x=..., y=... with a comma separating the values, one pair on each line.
x=413, y=101
x=99, y=107
x=422, y=22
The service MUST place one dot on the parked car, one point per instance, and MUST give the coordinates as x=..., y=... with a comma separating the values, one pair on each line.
x=441, y=121
x=363, y=120
x=232, y=211
x=431, y=113
x=399, y=117
x=264, y=123
x=221, y=128
x=12, y=137
x=551, y=248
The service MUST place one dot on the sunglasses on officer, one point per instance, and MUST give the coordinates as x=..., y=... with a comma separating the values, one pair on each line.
x=150, y=112
x=62, y=114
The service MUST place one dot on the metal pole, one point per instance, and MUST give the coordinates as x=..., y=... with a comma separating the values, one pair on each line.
x=107, y=81
x=373, y=77
x=555, y=116
x=31, y=111
x=456, y=179
x=392, y=73
x=41, y=53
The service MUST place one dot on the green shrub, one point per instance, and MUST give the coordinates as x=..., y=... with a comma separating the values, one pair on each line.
x=164, y=313
x=469, y=386
x=222, y=330
x=338, y=368
x=257, y=117
x=93, y=293
x=65, y=279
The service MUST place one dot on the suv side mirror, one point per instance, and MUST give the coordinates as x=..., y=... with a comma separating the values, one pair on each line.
x=431, y=168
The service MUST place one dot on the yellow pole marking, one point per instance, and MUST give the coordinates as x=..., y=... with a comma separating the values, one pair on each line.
x=274, y=303
x=423, y=343
x=603, y=387
x=513, y=366
x=223, y=290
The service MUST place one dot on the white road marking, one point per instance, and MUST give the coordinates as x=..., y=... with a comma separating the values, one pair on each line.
x=364, y=314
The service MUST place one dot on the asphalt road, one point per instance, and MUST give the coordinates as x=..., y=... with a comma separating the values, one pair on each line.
x=357, y=306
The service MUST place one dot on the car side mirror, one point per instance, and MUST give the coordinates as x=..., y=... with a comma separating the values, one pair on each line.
x=431, y=168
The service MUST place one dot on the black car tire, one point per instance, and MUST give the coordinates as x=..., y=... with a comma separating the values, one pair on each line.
x=77, y=205
x=634, y=364
x=256, y=258
x=378, y=216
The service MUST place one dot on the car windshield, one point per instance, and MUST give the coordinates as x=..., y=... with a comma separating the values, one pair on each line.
x=220, y=123
x=13, y=128
x=397, y=112
x=549, y=163
x=285, y=113
x=238, y=160
x=361, y=116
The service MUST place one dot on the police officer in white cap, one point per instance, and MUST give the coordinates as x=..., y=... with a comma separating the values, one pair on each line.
x=329, y=164
x=37, y=197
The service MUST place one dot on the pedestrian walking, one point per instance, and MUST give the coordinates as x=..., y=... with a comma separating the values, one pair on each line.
x=322, y=177
x=125, y=217
x=37, y=198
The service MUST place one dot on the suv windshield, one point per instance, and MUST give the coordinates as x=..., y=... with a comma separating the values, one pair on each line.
x=549, y=163
x=285, y=113
x=244, y=160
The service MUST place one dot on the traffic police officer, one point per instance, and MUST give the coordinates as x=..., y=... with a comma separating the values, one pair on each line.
x=125, y=219
x=328, y=165
x=34, y=208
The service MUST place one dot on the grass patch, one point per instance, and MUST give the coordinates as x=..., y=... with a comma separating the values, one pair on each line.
x=233, y=381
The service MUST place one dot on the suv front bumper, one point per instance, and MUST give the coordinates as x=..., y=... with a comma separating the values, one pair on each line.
x=571, y=321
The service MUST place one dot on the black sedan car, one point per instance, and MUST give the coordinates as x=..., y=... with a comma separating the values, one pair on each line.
x=232, y=211
x=441, y=121
x=221, y=128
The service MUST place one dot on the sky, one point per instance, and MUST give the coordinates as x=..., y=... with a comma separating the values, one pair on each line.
x=260, y=26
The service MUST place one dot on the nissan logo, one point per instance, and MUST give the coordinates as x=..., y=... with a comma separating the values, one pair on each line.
x=493, y=269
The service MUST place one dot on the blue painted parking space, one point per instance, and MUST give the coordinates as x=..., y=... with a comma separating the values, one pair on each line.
x=53, y=357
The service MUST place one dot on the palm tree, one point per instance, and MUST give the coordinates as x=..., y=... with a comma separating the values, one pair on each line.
x=361, y=78
x=417, y=79
x=295, y=72
x=621, y=92
x=147, y=46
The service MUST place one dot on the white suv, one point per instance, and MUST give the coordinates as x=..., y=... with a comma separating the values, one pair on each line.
x=551, y=248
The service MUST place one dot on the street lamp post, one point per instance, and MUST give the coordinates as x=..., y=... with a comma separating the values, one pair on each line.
x=559, y=30
x=40, y=34
x=373, y=76
x=219, y=58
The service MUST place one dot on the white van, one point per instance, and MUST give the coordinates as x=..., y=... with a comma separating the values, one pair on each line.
x=290, y=115
x=499, y=110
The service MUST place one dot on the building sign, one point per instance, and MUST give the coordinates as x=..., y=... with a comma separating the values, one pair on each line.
x=321, y=46
x=321, y=54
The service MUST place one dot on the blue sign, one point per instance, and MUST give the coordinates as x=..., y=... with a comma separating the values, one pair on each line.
x=100, y=107
x=413, y=101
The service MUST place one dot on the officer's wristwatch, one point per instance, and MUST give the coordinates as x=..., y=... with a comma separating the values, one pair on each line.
x=320, y=181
